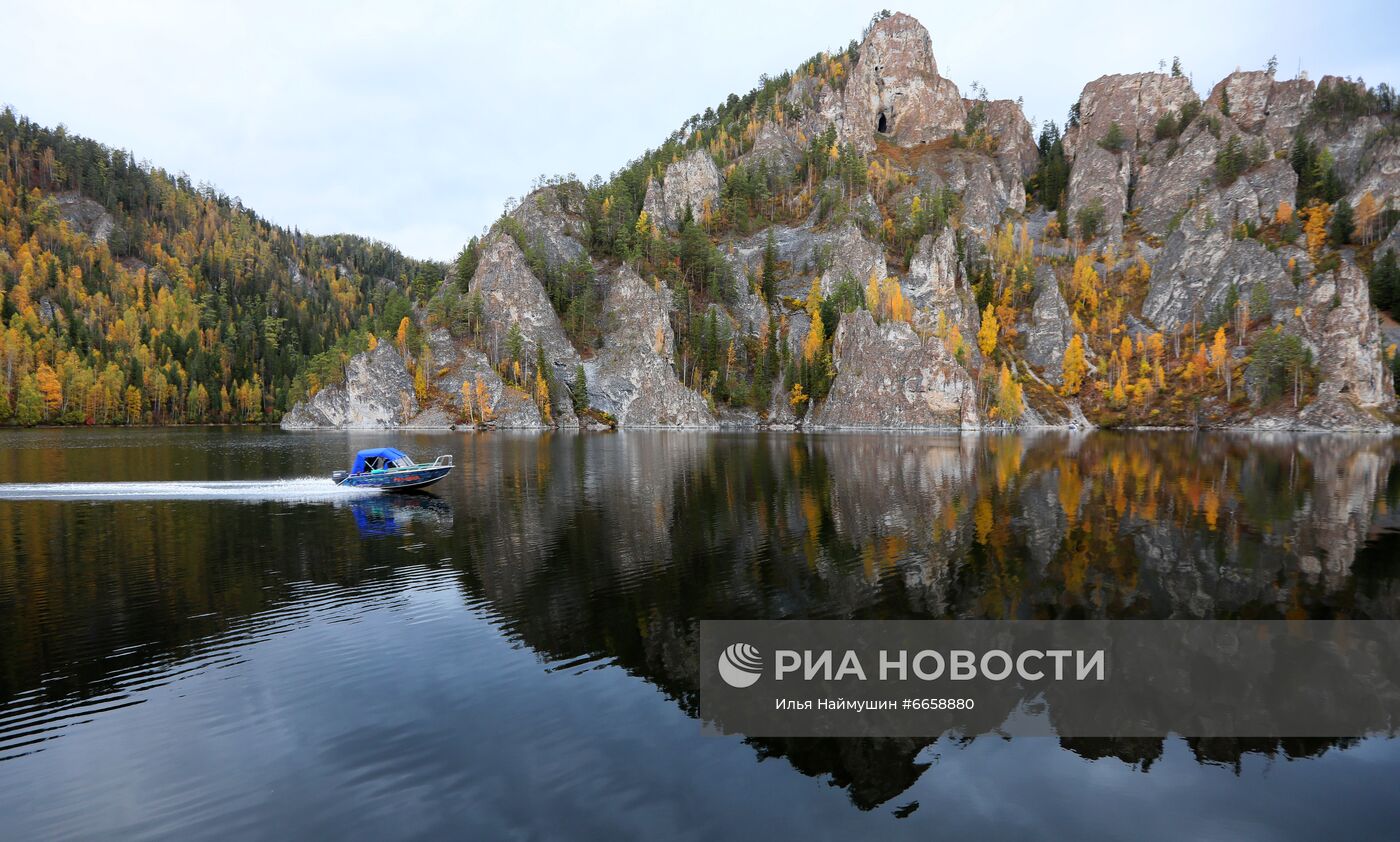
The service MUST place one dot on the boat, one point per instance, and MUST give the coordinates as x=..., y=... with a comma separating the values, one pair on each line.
x=390, y=469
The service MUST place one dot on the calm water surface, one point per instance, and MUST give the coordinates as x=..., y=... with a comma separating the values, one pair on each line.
x=201, y=638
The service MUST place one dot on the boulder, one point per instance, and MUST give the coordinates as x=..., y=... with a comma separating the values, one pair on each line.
x=895, y=88
x=633, y=378
x=689, y=182
x=887, y=377
x=377, y=394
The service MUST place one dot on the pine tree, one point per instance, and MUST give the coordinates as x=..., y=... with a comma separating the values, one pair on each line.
x=581, y=388
x=1385, y=281
x=1340, y=230
x=770, y=267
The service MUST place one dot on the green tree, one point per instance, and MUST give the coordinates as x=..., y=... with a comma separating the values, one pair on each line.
x=29, y=408
x=467, y=260
x=1340, y=228
x=581, y=388
x=1089, y=218
x=515, y=344
x=1279, y=362
x=1385, y=281
x=1114, y=141
x=1230, y=161
x=770, y=267
x=1052, y=170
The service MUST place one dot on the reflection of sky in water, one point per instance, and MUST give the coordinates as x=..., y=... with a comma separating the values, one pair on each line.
x=445, y=726
x=513, y=652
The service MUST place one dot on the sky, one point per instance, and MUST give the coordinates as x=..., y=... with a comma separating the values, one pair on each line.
x=413, y=123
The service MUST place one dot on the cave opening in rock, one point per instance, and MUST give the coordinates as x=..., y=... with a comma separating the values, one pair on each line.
x=881, y=125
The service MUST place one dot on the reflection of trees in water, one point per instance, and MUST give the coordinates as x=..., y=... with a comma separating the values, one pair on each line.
x=615, y=545
x=1048, y=526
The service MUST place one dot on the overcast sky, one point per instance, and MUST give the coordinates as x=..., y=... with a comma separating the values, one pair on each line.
x=413, y=122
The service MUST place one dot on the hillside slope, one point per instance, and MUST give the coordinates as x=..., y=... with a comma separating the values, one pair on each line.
x=133, y=296
x=1166, y=260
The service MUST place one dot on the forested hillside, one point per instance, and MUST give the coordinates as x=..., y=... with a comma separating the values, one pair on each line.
x=131, y=295
x=854, y=243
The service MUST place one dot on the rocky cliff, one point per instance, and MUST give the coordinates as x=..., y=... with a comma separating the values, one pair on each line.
x=857, y=244
x=633, y=378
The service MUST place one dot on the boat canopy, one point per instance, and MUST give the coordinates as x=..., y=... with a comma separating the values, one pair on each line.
x=378, y=458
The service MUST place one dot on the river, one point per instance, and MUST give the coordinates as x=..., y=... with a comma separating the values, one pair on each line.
x=202, y=637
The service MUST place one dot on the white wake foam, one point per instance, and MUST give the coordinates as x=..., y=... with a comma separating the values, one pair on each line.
x=302, y=488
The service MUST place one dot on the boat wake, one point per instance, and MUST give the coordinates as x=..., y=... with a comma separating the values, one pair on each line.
x=301, y=489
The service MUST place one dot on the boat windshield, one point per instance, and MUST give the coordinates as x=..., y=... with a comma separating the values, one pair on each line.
x=380, y=463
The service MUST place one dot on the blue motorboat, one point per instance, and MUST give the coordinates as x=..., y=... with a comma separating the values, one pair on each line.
x=390, y=469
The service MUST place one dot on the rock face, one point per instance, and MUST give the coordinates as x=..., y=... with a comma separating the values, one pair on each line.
x=1192, y=275
x=1246, y=94
x=851, y=255
x=1099, y=180
x=85, y=215
x=689, y=182
x=552, y=218
x=377, y=394
x=1167, y=187
x=455, y=365
x=934, y=284
x=1380, y=175
x=889, y=378
x=1016, y=150
x=1050, y=330
x=1134, y=102
x=512, y=295
x=895, y=89
x=893, y=106
x=838, y=253
x=775, y=148
x=632, y=379
x=1344, y=333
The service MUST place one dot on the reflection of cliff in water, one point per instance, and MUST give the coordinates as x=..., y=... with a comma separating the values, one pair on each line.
x=614, y=546
x=1050, y=526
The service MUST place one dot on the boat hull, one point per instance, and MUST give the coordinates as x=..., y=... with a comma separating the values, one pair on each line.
x=404, y=479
